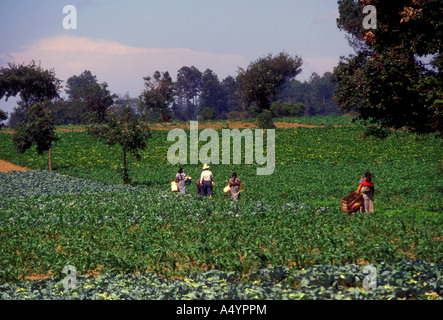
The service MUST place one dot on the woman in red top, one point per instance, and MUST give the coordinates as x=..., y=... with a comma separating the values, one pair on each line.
x=235, y=184
x=366, y=188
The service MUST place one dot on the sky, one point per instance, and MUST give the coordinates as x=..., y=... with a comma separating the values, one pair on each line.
x=123, y=41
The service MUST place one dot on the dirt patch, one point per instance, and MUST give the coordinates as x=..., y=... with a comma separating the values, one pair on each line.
x=6, y=166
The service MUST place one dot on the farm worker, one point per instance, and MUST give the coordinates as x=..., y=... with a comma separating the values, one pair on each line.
x=180, y=179
x=235, y=184
x=366, y=188
x=206, y=180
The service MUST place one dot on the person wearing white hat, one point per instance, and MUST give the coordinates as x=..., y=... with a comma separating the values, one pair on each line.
x=206, y=180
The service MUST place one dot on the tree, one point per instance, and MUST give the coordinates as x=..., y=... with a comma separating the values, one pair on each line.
x=188, y=86
x=211, y=95
x=87, y=96
x=208, y=114
x=158, y=95
x=385, y=80
x=39, y=130
x=231, y=100
x=261, y=81
x=126, y=130
x=31, y=82
x=3, y=117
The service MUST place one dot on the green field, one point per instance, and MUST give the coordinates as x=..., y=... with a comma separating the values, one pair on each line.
x=286, y=232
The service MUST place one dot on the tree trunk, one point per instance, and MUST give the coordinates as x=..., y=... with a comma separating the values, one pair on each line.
x=125, y=177
x=50, y=158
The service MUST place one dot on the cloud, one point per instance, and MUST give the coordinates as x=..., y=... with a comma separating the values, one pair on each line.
x=122, y=67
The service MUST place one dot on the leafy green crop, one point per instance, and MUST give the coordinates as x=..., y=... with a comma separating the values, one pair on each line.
x=286, y=231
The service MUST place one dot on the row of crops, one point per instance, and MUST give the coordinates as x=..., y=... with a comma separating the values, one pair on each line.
x=127, y=230
x=284, y=239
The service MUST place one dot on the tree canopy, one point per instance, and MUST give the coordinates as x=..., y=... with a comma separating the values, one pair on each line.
x=261, y=81
x=158, y=94
x=386, y=80
x=126, y=130
x=39, y=130
x=32, y=83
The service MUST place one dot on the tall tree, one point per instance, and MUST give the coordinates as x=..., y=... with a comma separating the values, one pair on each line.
x=126, y=130
x=187, y=87
x=39, y=130
x=158, y=94
x=86, y=95
x=231, y=100
x=385, y=80
x=211, y=95
x=32, y=83
x=261, y=81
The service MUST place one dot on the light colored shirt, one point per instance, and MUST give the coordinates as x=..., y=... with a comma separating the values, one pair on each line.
x=206, y=176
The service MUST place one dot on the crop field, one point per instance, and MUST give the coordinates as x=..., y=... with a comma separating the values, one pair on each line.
x=285, y=238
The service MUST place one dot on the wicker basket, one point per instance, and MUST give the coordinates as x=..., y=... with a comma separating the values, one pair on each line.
x=351, y=202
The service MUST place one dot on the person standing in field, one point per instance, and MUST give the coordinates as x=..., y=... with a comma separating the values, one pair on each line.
x=206, y=180
x=180, y=179
x=366, y=188
x=235, y=184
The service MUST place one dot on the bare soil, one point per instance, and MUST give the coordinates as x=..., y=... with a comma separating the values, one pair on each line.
x=6, y=166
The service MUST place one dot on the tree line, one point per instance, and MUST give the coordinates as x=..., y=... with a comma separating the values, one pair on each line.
x=195, y=95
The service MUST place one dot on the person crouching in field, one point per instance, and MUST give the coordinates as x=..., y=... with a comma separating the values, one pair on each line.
x=180, y=179
x=235, y=184
x=366, y=188
x=206, y=180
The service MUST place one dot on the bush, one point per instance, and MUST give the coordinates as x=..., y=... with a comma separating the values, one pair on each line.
x=207, y=114
x=287, y=109
x=237, y=115
x=264, y=120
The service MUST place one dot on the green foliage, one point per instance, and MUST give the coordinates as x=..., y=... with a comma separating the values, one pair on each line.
x=126, y=130
x=284, y=238
x=385, y=80
x=261, y=81
x=30, y=82
x=264, y=120
x=158, y=95
x=39, y=130
x=416, y=280
x=287, y=109
x=3, y=116
x=86, y=96
x=208, y=114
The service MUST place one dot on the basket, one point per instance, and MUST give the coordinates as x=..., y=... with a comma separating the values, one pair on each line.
x=351, y=202
x=174, y=186
x=227, y=189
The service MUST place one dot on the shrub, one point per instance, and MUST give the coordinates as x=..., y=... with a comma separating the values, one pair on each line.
x=208, y=114
x=287, y=109
x=264, y=120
